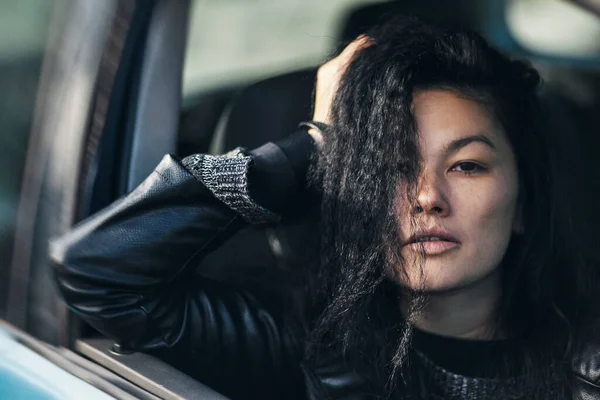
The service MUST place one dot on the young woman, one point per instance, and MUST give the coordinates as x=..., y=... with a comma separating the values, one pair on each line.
x=446, y=267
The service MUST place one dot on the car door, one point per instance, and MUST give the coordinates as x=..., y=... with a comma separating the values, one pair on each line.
x=103, y=111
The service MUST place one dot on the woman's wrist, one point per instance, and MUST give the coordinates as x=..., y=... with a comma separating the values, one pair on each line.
x=261, y=185
x=299, y=148
x=226, y=176
x=315, y=128
x=278, y=176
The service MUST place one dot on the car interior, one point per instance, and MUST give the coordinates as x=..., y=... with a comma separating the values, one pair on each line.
x=135, y=112
x=270, y=109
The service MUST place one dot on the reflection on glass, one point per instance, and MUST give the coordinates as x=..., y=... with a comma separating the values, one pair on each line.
x=555, y=27
x=23, y=33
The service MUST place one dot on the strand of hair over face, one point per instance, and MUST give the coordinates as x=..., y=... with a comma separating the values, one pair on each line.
x=371, y=150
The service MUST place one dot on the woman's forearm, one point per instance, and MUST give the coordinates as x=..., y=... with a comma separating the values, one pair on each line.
x=117, y=268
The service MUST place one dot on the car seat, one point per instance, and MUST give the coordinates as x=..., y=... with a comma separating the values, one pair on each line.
x=271, y=109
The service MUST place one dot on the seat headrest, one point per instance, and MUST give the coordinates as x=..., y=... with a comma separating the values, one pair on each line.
x=271, y=109
x=268, y=110
x=464, y=13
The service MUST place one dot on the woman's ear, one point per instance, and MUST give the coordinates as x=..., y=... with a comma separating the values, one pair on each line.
x=518, y=225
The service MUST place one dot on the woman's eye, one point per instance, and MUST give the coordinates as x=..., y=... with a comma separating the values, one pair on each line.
x=468, y=168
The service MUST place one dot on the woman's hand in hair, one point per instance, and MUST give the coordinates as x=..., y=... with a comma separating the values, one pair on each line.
x=328, y=79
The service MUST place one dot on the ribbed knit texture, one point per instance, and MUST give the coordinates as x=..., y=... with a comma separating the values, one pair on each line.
x=226, y=177
x=443, y=384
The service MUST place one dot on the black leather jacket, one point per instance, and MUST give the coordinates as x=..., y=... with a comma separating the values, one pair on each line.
x=127, y=272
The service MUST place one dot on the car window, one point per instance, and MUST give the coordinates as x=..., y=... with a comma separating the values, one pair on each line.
x=23, y=32
x=534, y=25
x=236, y=41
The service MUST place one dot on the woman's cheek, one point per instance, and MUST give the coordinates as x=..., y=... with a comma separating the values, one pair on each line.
x=491, y=209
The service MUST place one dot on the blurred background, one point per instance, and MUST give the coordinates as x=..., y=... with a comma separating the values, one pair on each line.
x=94, y=92
x=23, y=28
x=231, y=44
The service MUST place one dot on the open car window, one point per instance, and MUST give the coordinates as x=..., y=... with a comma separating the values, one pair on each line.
x=232, y=42
x=533, y=24
x=24, y=26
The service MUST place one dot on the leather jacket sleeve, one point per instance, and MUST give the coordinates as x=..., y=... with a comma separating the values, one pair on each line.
x=127, y=272
x=586, y=363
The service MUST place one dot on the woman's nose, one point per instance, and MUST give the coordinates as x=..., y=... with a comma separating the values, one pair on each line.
x=430, y=197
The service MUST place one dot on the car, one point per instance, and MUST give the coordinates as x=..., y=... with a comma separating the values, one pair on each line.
x=96, y=92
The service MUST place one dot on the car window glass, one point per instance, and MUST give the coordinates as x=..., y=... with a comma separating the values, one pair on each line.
x=236, y=41
x=23, y=32
x=534, y=25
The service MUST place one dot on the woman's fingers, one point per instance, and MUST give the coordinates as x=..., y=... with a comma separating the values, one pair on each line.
x=346, y=55
x=328, y=79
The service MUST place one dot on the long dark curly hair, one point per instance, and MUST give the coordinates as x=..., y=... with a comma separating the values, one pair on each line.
x=371, y=147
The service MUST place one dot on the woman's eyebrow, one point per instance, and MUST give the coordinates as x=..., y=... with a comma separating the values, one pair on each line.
x=458, y=144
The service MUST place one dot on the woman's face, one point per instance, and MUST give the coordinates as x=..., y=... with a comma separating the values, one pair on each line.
x=466, y=198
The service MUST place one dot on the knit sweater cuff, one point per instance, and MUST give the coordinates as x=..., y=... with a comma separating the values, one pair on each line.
x=226, y=176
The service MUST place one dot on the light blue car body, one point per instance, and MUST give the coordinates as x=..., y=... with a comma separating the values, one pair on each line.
x=26, y=375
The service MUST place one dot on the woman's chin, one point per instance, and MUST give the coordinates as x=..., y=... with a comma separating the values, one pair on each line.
x=432, y=282
x=431, y=287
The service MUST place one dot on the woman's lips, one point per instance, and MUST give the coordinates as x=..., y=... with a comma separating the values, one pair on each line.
x=433, y=247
